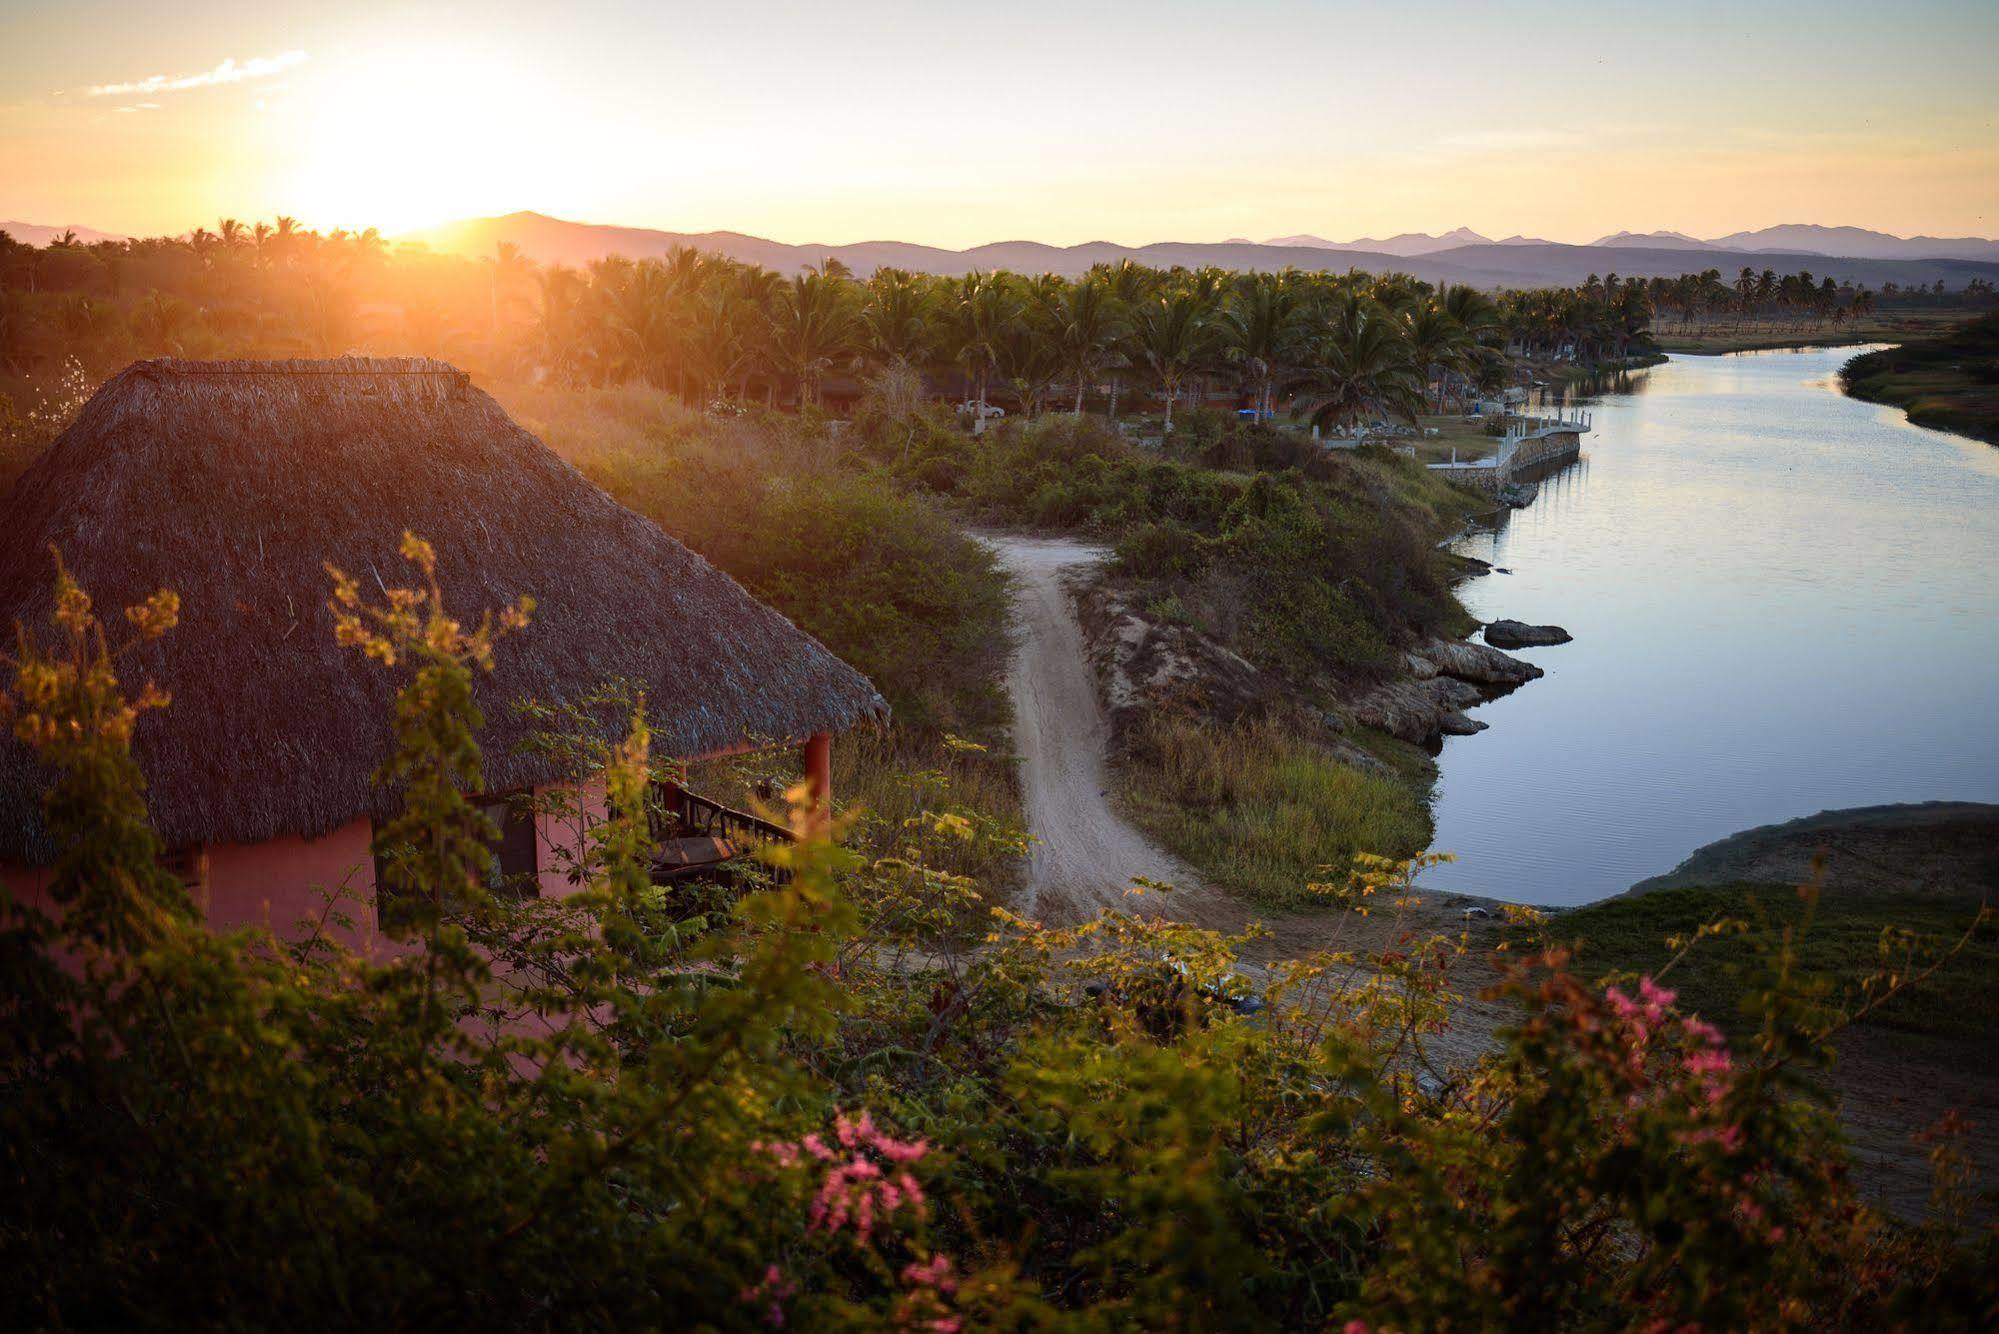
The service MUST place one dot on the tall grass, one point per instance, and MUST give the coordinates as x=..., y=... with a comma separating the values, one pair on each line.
x=1261, y=809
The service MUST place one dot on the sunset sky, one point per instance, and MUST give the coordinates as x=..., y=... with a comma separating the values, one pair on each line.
x=1060, y=122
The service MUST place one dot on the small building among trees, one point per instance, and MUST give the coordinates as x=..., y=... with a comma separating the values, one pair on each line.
x=236, y=484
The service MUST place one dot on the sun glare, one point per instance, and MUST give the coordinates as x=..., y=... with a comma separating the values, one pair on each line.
x=409, y=139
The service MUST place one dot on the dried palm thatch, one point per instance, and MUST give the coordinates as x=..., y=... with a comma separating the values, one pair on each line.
x=232, y=483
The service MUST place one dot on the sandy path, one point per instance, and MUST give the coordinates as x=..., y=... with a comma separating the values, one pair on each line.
x=1085, y=855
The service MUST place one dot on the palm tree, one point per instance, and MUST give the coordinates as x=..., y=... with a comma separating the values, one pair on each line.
x=507, y=272
x=1089, y=324
x=1175, y=335
x=641, y=316
x=1361, y=370
x=1437, y=343
x=984, y=308
x=726, y=333
x=161, y=323
x=558, y=326
x=814, y=329
x=1263, y=327
x=898, y=317
x=1029, y=355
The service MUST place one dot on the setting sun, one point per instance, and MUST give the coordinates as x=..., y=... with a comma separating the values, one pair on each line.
x=412, y=136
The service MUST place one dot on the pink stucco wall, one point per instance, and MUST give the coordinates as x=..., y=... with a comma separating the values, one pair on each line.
x=560, y=839
x=284, y=883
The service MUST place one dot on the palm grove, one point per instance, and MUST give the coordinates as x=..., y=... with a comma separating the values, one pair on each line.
x=1338, y=349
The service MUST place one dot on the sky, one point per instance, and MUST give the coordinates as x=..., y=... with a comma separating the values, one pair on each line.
x=1058, y=122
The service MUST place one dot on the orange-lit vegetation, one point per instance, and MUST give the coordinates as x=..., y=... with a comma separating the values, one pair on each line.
x=805, y=1106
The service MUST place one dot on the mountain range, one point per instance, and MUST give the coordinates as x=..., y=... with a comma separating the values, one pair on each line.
x=32, y=233
x=1789, y=238
x=1461, y=256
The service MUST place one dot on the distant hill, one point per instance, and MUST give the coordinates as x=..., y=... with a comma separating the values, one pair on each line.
x=30, y=233
x=1407, y=244
x=1559, y=265
x=1516, y=262
x=1459, y=255
x=1810, y=238
x=1655, y=241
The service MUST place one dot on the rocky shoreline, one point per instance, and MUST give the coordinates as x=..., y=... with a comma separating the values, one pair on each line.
x=1441, y=679
x=1143, y=663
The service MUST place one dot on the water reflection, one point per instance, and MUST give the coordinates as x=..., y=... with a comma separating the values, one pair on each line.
x=1780, y=603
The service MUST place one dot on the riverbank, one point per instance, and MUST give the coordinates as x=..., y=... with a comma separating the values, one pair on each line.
x=1947, y=383
x=1898, y=888
x=1789, y=335
x=1262, y=782
x=1773, y=609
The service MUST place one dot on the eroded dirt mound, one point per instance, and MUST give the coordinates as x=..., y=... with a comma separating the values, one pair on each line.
x=1932, y=848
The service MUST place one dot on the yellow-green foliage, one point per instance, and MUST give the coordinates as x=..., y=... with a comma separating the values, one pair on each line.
x=877, y=573
x=1261, y=809
x=809, y=1103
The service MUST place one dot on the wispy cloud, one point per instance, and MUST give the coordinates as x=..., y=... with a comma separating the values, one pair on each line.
x=229, y=71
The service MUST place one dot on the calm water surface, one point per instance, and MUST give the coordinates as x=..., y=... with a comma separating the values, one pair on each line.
x=1783, y=600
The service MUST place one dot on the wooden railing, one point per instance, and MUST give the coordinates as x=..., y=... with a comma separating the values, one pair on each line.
x=683, y=814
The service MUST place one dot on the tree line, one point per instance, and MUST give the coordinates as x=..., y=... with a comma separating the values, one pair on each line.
x=1339, y=349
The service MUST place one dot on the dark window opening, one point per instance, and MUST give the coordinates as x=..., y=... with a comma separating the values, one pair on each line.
x=511, y=877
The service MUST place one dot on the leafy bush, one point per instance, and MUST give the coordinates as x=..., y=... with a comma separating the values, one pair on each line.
x=807, y=1106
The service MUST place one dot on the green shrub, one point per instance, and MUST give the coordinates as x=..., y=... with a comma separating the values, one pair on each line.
x=813, y=1104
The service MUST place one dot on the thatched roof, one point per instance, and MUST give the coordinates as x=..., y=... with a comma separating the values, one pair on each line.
x=232, y=482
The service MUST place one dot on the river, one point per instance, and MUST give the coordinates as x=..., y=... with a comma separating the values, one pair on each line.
x=1783, y=601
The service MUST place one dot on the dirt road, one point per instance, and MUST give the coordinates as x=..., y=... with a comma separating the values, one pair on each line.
x=1085, y=855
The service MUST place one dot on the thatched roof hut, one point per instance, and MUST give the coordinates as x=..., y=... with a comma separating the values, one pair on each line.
x=233, y=482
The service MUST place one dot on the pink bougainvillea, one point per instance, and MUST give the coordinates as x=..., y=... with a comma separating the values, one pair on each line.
x=867, y=1175
x=771, y=1294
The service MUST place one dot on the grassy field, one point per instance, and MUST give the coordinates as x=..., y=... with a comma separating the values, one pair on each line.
x=1453, y=432
x=1717, y=337
x=1948, y=383
x=1258, y=808
x=1843, y=944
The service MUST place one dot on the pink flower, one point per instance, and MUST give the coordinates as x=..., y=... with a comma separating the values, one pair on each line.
x=871, y=1183
x=773, y=1291
x=1702, y=1030
x=1708, y=1062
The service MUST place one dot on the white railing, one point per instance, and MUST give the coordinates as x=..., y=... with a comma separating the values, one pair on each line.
x=1535, y=423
